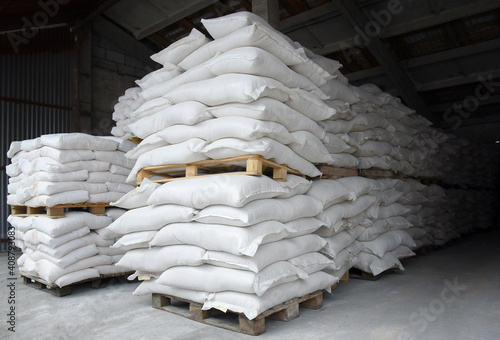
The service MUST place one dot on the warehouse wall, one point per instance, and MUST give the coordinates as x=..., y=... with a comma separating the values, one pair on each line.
x=35, y=95
x=117, y=61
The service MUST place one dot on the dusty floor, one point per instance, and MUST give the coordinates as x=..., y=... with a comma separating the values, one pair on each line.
x=452, y=293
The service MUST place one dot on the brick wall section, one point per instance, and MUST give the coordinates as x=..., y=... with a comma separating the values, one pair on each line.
x=118, y=59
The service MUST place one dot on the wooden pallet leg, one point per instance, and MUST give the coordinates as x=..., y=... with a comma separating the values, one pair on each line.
x=96, y=283
x=55, y=212
x=252, y=327
x=33, y=284
x=191, y=171
x=141, y=175
x=160, y=301
x=62, y=291
x=197, y=313
x=99, y=210
x=315, y=302
x=345, y=277
x=254, y=166
x=279, y=174
x=287, y=314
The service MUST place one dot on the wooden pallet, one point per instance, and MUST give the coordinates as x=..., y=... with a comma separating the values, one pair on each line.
x=96, y=282
x=254, y=165
x=330, y=172
x=58, y=211
x=237, y=322
x=355, y=273
x=377, y=173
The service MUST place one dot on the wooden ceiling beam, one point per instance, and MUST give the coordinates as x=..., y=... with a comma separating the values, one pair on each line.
x=357, y=18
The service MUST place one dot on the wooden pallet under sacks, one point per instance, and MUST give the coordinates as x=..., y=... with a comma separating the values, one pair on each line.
x=355, y=273
x=95, y=282
x=253, y=165
x=58, y=211
x=237, y=322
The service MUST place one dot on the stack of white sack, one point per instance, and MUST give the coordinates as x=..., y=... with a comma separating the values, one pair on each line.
x=68, y=168
x=249, y=91
x=413, y=199
x=437, y=216
x=347, y=209
x=380, y=131
x=234, y=242
x=66, y=250
x=124, y=110
x=381, y=237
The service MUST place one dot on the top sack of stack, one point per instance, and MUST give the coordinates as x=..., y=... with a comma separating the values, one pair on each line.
x=207, y=98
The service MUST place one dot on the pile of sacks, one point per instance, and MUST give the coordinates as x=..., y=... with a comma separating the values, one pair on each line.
x=437, y=216
x=249, y=91
x=385, y=239
x=234, y=242
x=380, y=131
x=68, y=168
x=253, y=90
x=347, y=206
x=67, y=250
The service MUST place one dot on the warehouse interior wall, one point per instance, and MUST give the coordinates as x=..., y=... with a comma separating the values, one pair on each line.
x=117, y=61
x=35, y=94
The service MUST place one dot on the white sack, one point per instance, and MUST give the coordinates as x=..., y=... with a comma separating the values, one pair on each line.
x=279, y=209
x=150, y=218
x=232, y=190
x=233, y=240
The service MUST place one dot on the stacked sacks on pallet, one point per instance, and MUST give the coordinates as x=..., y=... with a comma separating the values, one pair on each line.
x=380, y=131
x=124, y=111
x=66, y=250
x=68, y=168
x=384, y=239
x=347, y=208
x=234, y=242
x=437, y=216
x=413, y=199
x=250, y=92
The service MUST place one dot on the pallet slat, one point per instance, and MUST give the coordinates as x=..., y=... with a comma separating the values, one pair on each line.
x=286, y=311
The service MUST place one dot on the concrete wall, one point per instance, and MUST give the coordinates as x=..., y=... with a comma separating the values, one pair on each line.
x=118, y=60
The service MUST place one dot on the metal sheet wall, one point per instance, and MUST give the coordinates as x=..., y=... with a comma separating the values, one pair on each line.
x=35, y=96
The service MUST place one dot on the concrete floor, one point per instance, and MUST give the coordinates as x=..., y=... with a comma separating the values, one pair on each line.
x=452, y=293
